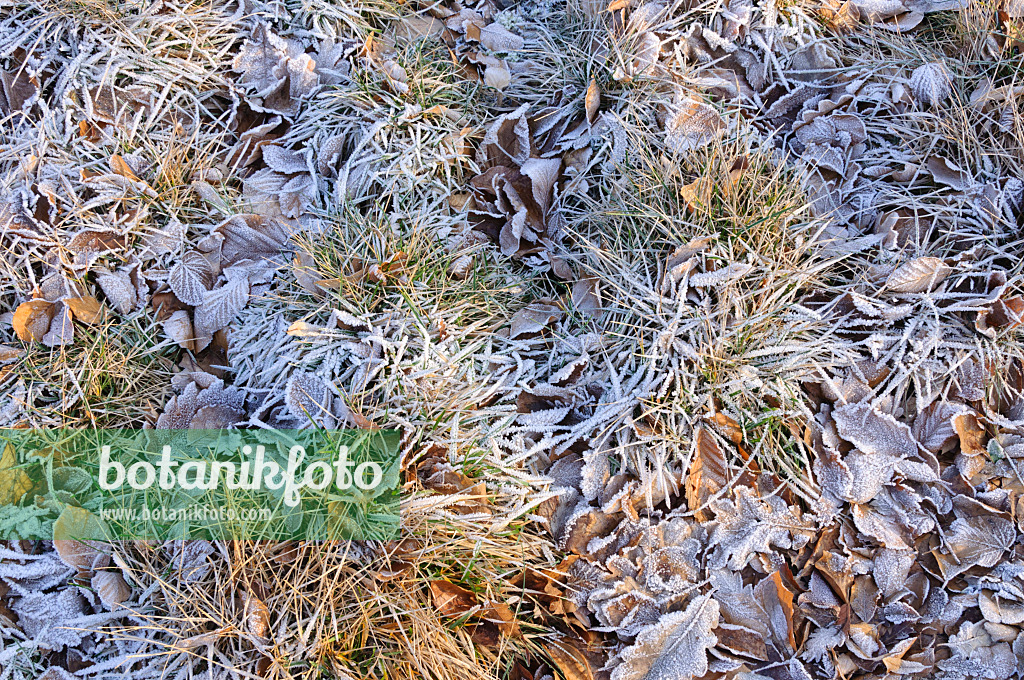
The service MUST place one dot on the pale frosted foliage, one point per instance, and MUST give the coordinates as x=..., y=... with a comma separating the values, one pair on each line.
x=930, y=83
x=976, y=541
x=750, y=525
x=920, y=275
x=692, y=125
x=119, y=289
x=220, y=307
x=191, y=278
x=675, y=648
x=306, y=396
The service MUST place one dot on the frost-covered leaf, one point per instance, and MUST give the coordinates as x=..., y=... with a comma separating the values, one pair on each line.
x=62, y=330
x=306, y=396
x=918, y=276
x=251, y=237
x=284, y=160
x=497, y=38
x=50, y=618
x=933, y=427
x=874, y=432
x=191, y=278
x=930, y=83
x=720, y=277
x=119, y=289
x=111, y=587
x=220, y=307
x=975, y=541
x=178, y=327
x=675, y=648
x=693, y=124
x=750, y=525
x=533, y=318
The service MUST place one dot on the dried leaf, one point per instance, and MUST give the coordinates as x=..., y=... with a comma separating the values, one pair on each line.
x=32, y=320
x=14, y=482
x=111, y=587
x=451, y=600
x=930, y=83
x=708, y=474
x=191, y=278
x=918, y=276
x=255, y=616
x=675, y=647
x=592, y=101
x=86, y=309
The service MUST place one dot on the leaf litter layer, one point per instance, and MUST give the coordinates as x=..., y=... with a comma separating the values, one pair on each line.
x=700, y=323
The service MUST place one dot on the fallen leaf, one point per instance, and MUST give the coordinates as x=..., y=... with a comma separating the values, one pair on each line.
x=708, y=474
x=86, y=309
x=918, y=276
x=32, y=320
x=451, y=600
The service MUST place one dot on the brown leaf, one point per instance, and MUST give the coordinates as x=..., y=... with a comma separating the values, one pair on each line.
x=592, y=102
x=32, y=320
x=121, y=167
x=971, y=433
x=709, y=474
x=451, y=600
x=570, y=659
x=255, y=616
x=111, y=587
x=86, y=309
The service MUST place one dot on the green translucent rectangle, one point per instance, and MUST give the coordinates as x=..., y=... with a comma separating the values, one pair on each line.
x=189, y=484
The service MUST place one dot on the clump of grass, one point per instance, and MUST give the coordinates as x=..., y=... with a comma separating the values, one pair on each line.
x=115, y=374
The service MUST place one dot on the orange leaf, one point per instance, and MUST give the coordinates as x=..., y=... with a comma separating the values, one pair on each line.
x=972, y=434
x=32, y=320
x=86, y=309
x=450, y=599
x=709, y=474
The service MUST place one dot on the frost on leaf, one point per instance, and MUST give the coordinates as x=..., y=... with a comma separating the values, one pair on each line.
x=306, y=396
x=975, y=541
x=930, y=83
x=191, y=278
x=220, y=307
x=251, y=237
x=50, y=619
x=119, y=289
x=750, y=525
x=178, y=327
x=694, y=124
x=675, y=648
x=918, y=276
